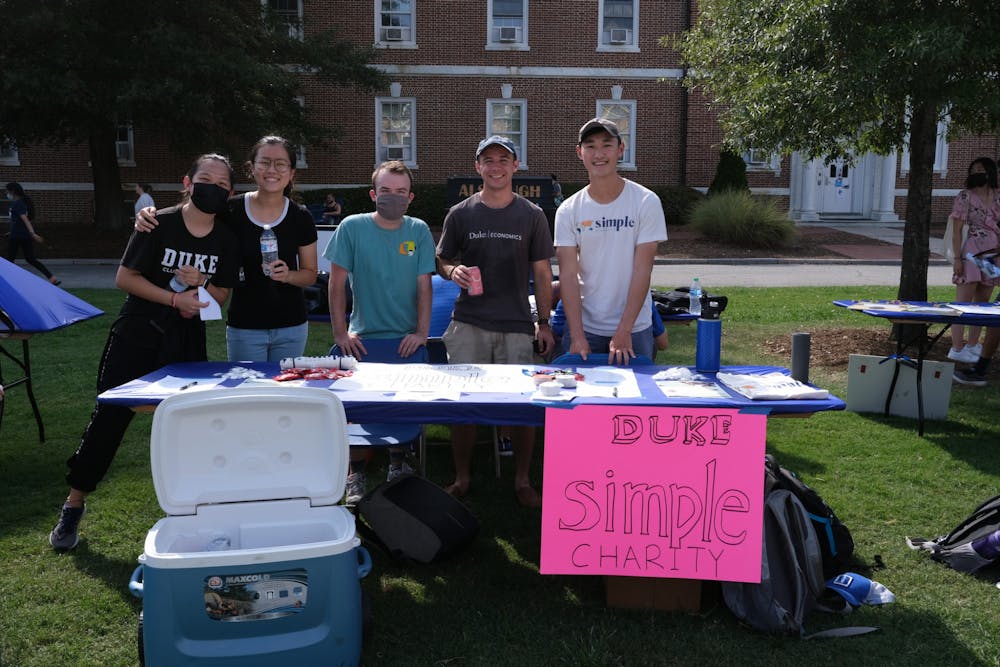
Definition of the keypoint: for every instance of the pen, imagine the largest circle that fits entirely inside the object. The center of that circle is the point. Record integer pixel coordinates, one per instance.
(188, 385)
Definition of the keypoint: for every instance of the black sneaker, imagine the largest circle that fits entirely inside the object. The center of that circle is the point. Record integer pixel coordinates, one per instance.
(969, 377)
(64, 536)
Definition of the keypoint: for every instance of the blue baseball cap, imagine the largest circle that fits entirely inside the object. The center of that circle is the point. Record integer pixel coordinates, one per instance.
(496, 140)
(859, 590)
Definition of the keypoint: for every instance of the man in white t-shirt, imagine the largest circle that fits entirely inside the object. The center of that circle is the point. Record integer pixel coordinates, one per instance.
(606, 238)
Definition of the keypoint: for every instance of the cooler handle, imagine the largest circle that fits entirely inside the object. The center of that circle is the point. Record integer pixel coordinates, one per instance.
(135, 583)
(364, 567)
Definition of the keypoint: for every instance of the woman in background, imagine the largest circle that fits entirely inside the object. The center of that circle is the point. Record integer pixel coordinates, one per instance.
(22, 231)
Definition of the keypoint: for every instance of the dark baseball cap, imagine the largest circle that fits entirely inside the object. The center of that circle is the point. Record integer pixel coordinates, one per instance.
(496, 140)
(595, 125)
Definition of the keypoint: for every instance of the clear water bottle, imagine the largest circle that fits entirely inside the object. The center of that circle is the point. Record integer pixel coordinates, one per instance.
(694, 298)
(268, 248)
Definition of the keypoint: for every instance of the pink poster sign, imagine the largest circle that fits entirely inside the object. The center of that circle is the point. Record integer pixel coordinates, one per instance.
(653, 492)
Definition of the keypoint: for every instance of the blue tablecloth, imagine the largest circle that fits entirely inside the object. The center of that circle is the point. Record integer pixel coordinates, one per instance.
(916, 316)
(473, 408)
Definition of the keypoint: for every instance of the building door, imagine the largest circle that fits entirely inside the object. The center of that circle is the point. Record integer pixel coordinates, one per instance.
(836, 194)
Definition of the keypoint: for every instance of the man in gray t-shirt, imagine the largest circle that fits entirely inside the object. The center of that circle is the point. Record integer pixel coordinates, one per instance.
(507, 238)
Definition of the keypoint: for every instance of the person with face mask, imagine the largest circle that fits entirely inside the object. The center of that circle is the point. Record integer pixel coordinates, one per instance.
(267, 318)
(158, 324)
(389, 258)
(977, 211)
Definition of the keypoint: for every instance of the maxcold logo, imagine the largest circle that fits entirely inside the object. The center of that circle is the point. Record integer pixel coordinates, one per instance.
(613, 224)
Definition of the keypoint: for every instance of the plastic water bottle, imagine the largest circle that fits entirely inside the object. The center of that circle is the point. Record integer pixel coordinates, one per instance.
(268, 248)
(694, 298)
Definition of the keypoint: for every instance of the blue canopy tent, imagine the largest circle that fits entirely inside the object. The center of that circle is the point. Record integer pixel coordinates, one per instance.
(29, 306)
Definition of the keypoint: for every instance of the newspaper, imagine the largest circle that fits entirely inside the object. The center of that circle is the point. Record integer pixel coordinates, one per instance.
(770, 387)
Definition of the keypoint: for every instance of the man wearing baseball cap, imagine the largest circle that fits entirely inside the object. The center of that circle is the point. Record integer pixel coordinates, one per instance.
(606, 238)
(506, 237)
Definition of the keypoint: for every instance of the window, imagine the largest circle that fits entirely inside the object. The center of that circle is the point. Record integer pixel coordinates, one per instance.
(758, 160)
(396, 139)
(622, 113)
(508, 118)
(395, 22)
(288, 12)
(508, 21)
(8, 152)
(124, 145)
(940, 151)
(619, 25)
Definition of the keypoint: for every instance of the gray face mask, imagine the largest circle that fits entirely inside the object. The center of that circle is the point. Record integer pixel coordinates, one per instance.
(392, 207)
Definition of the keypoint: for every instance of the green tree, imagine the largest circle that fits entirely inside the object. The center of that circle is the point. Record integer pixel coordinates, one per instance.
(206, 75)
(834, 77)
(730, 174)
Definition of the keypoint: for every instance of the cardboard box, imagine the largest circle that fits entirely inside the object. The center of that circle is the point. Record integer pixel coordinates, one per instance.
(868, 386)
(662, 594)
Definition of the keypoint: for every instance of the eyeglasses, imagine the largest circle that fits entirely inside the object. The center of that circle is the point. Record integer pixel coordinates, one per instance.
(280, 166)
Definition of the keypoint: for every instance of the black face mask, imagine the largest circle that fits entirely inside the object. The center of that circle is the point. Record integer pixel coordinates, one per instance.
(210, 198)
(976, 181)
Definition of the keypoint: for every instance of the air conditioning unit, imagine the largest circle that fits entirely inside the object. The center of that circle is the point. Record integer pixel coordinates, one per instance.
(394, 153)
(620, 36)
(508, 33)
(393, 34)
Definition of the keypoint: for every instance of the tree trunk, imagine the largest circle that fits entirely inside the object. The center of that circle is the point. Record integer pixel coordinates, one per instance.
(916, 233)
(109, 214)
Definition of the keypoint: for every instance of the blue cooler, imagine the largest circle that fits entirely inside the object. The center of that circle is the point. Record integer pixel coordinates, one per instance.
(256, 563)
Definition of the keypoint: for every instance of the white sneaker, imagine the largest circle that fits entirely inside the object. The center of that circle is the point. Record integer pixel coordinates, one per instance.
(964, 355)
(355, 489)
(976, 349)
(397, 471)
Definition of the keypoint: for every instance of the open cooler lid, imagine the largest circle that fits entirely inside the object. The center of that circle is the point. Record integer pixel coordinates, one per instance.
(265, 442)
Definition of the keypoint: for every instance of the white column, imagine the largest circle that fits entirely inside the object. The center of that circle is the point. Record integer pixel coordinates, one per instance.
(885, 208)
(808, 212)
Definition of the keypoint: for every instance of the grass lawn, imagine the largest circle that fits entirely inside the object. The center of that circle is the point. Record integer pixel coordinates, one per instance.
(488, 605)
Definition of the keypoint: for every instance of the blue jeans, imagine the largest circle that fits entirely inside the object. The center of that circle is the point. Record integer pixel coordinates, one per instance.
(642, 342)
(266, 344)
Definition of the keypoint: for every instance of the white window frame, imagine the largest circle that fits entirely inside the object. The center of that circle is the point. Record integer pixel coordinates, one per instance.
(125, 149)
(295, 30)
(520, 140)
(758, 161)
(9, 155)
(382, 151)
(627, 162)
(384, 36)
(300, 150)
(940, 151)
(604, 34)
(494, 42)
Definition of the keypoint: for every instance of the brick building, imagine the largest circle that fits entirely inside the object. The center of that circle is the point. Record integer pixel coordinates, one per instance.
(533, 70)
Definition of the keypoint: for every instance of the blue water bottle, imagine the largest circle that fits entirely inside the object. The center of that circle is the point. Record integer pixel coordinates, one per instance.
(708, 348)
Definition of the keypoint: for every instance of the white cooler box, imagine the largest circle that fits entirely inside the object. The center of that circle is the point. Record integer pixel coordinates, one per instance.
(256, 563)
(868, 387)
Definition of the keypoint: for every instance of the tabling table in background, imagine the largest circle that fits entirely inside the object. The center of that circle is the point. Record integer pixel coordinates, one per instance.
(924, 315)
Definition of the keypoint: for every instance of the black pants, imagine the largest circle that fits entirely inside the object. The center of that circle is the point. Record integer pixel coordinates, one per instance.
(135, 347)
(29, 254)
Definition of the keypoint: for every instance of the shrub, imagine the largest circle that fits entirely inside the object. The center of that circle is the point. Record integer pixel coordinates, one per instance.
(677, 203)
(731, 174)
(737, 218)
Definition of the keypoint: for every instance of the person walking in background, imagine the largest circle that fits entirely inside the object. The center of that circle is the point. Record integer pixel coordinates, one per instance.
(389, 258)
(22, 231)
(157, 324)
(332, 210)
(143, 198)
(977, 208)
(505, 239)
(557, 195)
(267, 318)
(606, 239)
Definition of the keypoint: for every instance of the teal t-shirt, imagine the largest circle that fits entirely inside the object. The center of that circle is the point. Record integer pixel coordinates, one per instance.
(383, 266)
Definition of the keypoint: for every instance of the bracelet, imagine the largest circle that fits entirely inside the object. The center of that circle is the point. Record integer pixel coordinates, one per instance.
(452, 272)
(173, 300)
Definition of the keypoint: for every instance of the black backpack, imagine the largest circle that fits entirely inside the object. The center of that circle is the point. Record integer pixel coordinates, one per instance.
(955, 549)
(835, 541)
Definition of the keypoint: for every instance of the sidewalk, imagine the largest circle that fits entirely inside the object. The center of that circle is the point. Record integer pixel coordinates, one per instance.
(863, 264)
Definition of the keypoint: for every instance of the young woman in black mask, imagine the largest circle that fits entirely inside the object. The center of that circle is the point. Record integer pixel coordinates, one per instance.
(976, 209)
(158, 324)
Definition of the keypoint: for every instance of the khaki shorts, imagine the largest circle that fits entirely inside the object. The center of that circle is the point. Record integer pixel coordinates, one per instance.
(468, 344)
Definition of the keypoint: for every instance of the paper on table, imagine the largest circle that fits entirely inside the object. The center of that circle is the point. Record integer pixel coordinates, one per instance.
(421, 396)
(691, 389)
(976, 309)
(213, 311)
(170, 384)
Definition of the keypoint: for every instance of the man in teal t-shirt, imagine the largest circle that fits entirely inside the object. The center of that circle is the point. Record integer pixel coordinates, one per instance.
(389, 258)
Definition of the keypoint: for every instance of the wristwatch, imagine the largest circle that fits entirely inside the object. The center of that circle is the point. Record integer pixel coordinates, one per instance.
(543, 321)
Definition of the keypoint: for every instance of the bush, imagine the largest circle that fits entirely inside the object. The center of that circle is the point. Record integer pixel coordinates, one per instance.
(737, 218)
(731, 174)
(677, 203)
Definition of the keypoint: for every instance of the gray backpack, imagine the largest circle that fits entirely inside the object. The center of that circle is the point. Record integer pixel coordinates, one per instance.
(791, 582)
